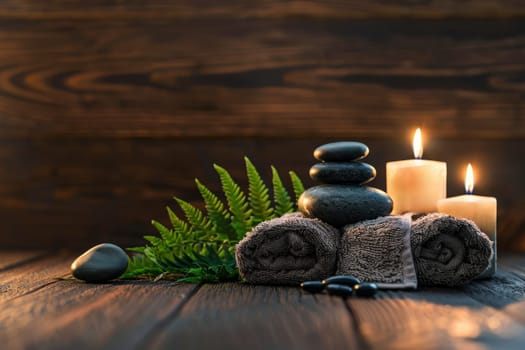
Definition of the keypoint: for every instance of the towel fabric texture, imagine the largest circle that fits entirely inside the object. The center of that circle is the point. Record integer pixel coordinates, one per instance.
(379, 251)
(288, 250)
(448, 251)
(392, 251)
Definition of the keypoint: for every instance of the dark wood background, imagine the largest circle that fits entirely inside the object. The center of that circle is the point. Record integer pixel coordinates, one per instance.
(110, 108)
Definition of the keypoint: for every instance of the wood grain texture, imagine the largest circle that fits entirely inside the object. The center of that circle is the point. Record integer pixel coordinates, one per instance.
(506, 291)
(32, 276)
(231, 316)
(146, 315)
(229, 77)
(434, 319)
(10, 259)
(75, 193)
(76, 315)
(262, 8)
(108, 108)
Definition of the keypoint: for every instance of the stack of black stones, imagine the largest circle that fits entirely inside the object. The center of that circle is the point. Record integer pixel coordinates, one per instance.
(342, 199)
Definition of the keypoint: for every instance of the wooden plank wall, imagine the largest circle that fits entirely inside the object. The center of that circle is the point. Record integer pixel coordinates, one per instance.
(109, 108)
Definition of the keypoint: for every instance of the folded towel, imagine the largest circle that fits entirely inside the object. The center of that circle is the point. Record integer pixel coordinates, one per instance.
(379, 251)
(288, 250)
(448, 251)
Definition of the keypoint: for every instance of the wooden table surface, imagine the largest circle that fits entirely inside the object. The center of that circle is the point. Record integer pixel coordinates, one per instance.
(40, 311)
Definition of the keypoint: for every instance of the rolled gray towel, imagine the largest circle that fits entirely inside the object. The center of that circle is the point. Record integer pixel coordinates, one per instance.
(448, 251)
(378, 251)
(288, 250)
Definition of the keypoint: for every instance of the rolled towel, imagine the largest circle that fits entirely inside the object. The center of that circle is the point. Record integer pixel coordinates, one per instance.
(379, 251)
(288, 250)
(448, 251)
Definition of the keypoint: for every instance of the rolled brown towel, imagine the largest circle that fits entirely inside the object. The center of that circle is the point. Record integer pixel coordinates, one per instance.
(448, 251)
(378, 251)
(405, 251)
(288, 250)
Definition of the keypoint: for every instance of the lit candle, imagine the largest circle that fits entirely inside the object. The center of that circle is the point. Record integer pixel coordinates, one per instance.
(480, 209)
(415, 185)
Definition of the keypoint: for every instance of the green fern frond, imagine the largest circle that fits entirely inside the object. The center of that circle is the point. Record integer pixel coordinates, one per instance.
(218, 214)
(283, 202)
(297, 184)
(180, 227)
(201, 247)
(237, 203)
(164, 232)
(200, 224)
(258, 195)
(174, 219)
(139, 266)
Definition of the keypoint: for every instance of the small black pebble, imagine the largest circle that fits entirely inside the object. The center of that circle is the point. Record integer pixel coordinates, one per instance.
(366, 289)
(313, 286)
(346, 280)
(339, 289)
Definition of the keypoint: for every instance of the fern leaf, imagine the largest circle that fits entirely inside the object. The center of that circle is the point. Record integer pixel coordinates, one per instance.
(297, 185)
(139, 250)
(283, 202)
(237, 203)
(140, 266)
(217, 213)
(200, 224)
(164, 232)
(201, 247)
(174, 219)
(257, 194)
(154, 240)
(179, 226)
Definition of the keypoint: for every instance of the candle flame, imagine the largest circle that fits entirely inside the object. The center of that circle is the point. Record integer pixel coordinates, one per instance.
(417, 144)
(469, 180)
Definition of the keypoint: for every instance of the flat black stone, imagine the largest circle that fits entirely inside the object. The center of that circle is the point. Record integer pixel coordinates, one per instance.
(101, 263)
(343, 151)
(340, 205)
(355, 173)
(313, 286)
(346, 280)
(366, 289)
(339, 289)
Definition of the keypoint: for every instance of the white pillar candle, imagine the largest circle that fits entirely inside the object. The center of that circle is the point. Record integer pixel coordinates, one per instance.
(416, 185)
(480, 209)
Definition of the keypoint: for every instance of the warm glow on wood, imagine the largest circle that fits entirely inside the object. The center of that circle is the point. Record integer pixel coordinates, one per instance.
(417, 144)
(469, 180)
